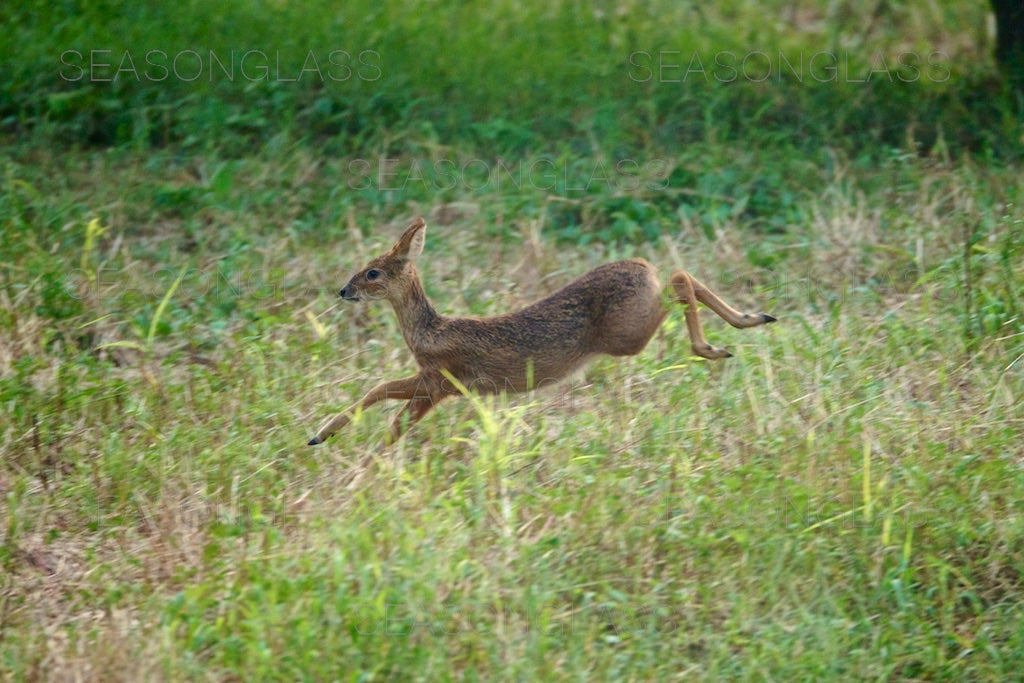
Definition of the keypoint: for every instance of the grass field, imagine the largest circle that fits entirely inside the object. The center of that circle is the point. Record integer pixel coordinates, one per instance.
(842, 500)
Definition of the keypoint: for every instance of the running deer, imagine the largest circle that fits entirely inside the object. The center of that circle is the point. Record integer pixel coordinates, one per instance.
(614, 309)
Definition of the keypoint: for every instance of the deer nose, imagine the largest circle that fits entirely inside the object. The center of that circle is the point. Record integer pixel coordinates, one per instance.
(344, 292)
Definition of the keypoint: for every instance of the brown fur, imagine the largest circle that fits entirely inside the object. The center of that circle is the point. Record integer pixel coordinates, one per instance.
(614, 309)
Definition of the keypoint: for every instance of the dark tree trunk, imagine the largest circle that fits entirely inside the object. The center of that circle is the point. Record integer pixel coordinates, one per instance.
(1010, 38)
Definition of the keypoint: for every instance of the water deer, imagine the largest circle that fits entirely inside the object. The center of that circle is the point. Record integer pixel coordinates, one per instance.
(614, 310)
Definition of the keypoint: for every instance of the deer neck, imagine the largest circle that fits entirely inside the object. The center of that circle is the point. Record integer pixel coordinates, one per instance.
(415, 314)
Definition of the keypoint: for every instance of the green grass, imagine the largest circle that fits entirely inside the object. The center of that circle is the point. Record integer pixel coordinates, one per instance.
(839, 501)
(505, 78)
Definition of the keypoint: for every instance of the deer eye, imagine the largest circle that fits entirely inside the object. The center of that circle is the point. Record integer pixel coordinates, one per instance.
(372, 274)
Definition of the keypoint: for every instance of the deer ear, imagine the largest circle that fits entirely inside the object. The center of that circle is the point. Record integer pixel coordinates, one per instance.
(410, 245)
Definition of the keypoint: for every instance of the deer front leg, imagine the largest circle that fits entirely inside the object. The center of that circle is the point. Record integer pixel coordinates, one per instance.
(413, 412)
(402, 389)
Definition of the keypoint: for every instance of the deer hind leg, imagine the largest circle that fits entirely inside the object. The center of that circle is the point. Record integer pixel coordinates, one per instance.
(689, 290)
(402, 389)
(683, 286)
(724, 310)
